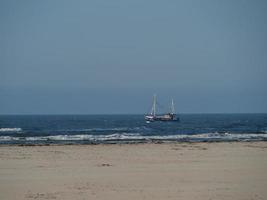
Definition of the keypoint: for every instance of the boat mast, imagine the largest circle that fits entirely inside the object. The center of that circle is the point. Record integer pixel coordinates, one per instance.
(153, 110)
(155, 100)
(172, 107)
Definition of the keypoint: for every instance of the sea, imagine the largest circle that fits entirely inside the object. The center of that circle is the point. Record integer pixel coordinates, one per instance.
(97, 129)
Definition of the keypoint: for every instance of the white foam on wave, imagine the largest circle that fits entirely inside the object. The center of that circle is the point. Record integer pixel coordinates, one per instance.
(134, 136)
(8, 138)
(10, 129)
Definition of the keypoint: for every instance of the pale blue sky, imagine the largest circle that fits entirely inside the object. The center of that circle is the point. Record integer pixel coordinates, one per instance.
(87, 57)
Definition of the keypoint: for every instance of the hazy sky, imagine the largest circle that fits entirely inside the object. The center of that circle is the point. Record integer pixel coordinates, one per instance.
(86, 57)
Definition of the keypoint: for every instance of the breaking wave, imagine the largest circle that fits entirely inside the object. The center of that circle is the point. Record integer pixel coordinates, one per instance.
(10, 129)
(128, 137)
(117, 129)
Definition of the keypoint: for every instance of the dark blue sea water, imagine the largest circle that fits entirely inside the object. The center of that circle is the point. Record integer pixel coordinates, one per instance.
(68, 129)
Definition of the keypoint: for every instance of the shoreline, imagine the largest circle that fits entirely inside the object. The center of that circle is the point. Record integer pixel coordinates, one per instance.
(133, 142)
(179, 170)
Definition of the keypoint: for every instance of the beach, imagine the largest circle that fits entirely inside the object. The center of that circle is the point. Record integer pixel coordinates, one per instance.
(224, 170)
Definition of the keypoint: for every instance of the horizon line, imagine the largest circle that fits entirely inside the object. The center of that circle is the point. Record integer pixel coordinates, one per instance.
(197, 113)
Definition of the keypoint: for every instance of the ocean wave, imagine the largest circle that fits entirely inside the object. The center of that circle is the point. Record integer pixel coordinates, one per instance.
(133, 136)
(109, 129)
(10, 129)
(93, 129)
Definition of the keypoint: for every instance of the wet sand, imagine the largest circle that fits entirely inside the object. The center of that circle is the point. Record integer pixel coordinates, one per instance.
(188, 171)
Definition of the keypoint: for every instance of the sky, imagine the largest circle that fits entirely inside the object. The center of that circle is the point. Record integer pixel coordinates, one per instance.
(110, 57)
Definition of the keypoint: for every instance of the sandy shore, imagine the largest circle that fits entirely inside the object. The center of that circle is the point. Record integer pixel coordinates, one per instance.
(135, 171)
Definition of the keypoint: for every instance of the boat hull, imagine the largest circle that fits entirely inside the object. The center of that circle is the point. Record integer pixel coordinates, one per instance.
(163, 118)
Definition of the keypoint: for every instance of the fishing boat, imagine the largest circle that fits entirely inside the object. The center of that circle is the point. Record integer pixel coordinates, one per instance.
(171, 116)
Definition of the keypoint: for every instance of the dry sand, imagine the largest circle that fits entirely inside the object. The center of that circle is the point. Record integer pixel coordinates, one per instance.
(135, 171)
